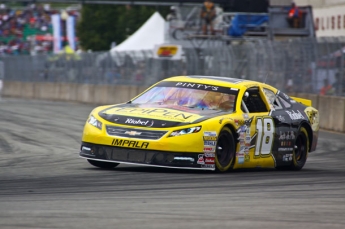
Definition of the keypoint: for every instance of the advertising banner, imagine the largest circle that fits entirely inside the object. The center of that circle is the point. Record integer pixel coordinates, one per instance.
(70, 28)
(56, 32)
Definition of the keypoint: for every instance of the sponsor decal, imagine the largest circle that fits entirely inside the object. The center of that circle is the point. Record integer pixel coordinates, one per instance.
(131, 144)
(210, 133)
(200, 160)
(209, 149)
(157, 112)
(209, 160)
(239, 122)
(281, 118)
(313, 116)
(206, 159)
(133, 133)
(287, 157)
(197, 86)
(288, 135)
(210, 143)
(167, 51)
(210, 155)
(295, 115)
(139, 122)
(245, 141)
(285, 149)
(285, 143)
(209, 138)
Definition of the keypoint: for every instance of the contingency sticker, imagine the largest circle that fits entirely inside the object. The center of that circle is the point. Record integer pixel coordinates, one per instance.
(209, 149)
(206, 160)
(210, 136)
(245, 141)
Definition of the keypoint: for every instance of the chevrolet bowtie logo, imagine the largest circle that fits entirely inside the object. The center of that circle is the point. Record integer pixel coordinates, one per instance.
(132, 133)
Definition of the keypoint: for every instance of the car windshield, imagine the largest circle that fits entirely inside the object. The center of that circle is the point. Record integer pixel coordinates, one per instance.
(188, 97)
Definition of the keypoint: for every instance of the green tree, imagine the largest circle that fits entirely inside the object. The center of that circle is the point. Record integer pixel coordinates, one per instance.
(102, 24)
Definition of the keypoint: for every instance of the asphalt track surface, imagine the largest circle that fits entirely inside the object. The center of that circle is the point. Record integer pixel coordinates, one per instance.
(44, 184)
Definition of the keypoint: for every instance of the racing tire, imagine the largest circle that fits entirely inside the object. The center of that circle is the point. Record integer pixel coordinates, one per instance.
(225, 150)
(102, 164)
(301, 149)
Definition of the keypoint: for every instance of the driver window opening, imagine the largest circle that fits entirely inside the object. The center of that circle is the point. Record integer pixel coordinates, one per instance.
(254, 101)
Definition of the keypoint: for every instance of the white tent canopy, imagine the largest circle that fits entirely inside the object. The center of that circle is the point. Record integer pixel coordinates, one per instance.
(151, 33)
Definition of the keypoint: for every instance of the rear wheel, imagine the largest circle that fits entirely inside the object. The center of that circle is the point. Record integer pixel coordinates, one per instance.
(102, 164)
(301, 148)
(225, 150)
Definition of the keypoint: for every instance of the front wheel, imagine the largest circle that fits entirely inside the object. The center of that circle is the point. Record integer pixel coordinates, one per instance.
(102, 164)
(225, 150)
(301, 149)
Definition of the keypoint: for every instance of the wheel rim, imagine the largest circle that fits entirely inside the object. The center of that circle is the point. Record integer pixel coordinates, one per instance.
(224, 154)
(300, 148)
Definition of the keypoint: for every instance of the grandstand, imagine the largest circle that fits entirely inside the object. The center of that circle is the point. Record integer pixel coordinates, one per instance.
(27, 29)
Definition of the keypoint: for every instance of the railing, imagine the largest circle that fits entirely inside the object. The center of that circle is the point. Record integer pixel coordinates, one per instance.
(298, 65)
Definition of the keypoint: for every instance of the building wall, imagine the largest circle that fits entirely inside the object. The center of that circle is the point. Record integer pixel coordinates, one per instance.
(329, 16)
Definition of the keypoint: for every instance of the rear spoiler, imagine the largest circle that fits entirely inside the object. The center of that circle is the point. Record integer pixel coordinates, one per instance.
(305, 102)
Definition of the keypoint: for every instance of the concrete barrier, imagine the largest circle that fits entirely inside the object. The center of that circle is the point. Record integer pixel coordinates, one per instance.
(337, 114)
(331, 108)
(12, 89)
(49, 91)
(85, 93)
(28, 90)
(325, 112)
(68, 92)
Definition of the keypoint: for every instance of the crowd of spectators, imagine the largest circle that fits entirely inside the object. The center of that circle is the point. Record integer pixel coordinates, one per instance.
(19, 27)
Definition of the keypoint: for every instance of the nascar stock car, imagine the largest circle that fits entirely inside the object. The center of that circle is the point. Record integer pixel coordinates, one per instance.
(203, 122)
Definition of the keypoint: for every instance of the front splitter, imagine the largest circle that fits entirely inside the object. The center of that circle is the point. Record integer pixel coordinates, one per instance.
(153, 158)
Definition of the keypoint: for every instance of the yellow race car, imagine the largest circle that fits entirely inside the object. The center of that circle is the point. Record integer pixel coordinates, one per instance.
(203, 122)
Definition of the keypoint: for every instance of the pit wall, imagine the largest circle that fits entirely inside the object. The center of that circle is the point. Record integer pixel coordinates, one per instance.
(331, 108)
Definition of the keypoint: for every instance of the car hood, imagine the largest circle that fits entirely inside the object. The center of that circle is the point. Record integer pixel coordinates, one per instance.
(158, 116)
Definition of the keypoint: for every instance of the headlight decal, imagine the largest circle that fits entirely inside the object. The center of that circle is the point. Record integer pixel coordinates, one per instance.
(94, 122)
(189, 130)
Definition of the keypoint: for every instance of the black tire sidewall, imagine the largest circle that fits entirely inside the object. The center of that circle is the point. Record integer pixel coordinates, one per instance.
(232, 150)
(298, 164)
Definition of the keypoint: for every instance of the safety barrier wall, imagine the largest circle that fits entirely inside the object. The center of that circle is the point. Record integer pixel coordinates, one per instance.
(331, 108)
(85, 93)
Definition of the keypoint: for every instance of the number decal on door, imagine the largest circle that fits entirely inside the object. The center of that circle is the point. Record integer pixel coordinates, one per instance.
(265, 134)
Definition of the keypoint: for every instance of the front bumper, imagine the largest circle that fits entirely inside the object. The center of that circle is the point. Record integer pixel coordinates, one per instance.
(202, 161)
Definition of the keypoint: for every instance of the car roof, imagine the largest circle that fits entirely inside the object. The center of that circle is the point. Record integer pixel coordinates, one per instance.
(215, 80)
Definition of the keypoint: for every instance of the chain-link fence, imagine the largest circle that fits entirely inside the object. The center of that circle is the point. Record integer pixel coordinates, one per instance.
(297, 65)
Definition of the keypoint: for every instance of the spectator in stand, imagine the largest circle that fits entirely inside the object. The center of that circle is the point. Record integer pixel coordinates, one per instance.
(208, 14)
(294, 16)
(33, 19)
(327, 89)
(172, 16)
